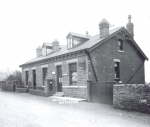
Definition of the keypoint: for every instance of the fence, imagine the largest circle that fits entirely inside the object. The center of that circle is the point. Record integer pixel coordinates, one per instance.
(11, 85)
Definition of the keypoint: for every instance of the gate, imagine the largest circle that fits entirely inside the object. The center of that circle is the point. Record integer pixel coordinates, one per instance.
(100, 92)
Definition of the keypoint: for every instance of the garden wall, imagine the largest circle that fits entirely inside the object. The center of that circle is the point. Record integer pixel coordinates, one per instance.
(132, 97)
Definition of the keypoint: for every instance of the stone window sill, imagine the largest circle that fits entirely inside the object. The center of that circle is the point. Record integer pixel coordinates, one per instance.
(120, 50)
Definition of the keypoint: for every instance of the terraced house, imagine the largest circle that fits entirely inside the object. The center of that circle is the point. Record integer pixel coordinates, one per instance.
(110, 56)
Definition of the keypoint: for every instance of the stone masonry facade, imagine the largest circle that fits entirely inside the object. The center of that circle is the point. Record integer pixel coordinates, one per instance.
(78, 90)
(104, 56)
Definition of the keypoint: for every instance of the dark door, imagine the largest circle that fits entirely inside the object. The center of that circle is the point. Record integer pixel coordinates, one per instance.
(44, 75)
(59, 78)
(101, 92)
(34, 78)
(27, 77)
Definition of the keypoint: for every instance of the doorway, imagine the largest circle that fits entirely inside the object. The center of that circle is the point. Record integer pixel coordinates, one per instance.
(44, 75)
(27, 77)
(34, 78)
(59, 78)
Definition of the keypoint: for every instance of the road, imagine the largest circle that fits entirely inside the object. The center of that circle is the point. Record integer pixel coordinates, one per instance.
(25, 110)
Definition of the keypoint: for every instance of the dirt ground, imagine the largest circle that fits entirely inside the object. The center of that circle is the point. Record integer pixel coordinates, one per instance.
(25, 110)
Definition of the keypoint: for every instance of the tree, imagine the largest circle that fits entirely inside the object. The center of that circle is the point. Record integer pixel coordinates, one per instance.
(15, 76)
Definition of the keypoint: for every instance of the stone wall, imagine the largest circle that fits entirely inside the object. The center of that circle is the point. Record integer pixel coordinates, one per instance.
(131, 61)
(132, 97)
(80, 92)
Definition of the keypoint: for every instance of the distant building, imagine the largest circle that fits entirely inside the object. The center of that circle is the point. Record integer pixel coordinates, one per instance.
(110, 56)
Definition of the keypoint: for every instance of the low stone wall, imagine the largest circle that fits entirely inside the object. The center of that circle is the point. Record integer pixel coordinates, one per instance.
(37, 92)
(132, 97)
(40, 92)
(79, 92)
(21, 90)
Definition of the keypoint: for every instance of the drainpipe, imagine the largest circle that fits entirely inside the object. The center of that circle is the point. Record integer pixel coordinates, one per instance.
(92, 65)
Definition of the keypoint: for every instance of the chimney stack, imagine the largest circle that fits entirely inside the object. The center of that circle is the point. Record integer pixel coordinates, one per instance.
(55, 45)
(104, 28)
(130, 26)
(38, 52)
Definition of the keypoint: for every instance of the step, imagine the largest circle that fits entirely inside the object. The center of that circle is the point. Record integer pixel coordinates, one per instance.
(59, 94)
(66, 100)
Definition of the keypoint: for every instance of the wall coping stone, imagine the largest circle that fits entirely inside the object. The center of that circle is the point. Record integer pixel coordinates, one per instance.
(74, 86)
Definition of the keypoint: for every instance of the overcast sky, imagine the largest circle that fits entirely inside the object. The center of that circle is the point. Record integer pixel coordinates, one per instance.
(26, 24)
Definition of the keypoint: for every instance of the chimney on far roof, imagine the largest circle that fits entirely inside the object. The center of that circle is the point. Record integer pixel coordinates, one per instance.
(104, 28)
(38, 51)
(87, 33)
(55, 45)
(130, 26)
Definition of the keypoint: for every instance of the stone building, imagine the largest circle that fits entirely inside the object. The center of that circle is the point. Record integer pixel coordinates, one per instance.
(110, 56)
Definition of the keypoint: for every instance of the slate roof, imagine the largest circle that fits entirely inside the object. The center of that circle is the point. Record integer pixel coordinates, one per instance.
(93, 40)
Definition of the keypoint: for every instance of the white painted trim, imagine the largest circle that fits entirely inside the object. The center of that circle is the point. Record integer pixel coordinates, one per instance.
(27, 69)
(74, 86)
(46, 65)
(33, 68)
(120, 81)
(58, 63)
(53, 72)
(72, 61)
(65, 74)
(120, 50)
(116, 60)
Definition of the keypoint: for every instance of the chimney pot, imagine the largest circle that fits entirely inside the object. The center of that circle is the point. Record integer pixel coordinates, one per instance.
(38, 52)
(104, 28)
(130, 26)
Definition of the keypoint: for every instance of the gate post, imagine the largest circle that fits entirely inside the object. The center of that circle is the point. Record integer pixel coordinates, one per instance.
(89, 90)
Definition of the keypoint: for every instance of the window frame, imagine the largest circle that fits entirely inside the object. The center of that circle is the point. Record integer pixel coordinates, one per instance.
(71, 82)
(44, 75)
(117, 70)
(121, 45)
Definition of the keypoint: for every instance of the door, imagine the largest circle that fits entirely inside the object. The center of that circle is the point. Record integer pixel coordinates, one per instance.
(59, 78)
(34, 78)
(27, 77)
(44, 74)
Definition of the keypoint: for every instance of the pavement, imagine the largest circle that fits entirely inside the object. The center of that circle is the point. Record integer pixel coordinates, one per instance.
(26, 110)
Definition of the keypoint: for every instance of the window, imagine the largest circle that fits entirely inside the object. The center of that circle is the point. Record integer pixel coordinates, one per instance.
(70, 42)
(73, 73)
(27, 77)
(44, 71)
(75, 42)
(117, 70)
(120, 43)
